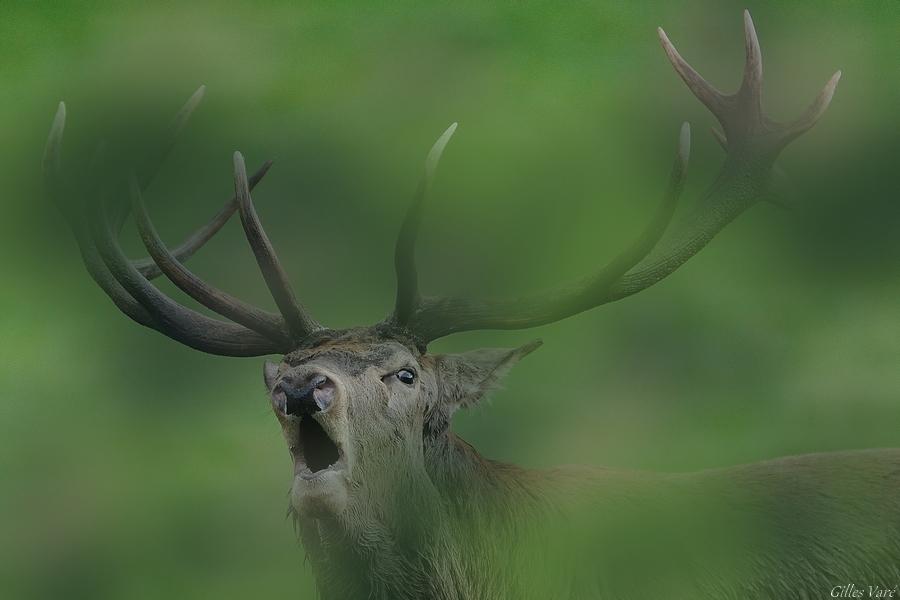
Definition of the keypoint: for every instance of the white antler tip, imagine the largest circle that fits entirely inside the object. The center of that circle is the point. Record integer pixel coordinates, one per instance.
(189, 107)
(197, 96)
(54, 140)
(829, 89)
(59, 119)
(752, 84)
(434, 155)
(750, 31)
(831, 86)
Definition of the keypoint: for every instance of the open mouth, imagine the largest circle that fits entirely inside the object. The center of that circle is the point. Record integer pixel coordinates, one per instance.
(315, 452)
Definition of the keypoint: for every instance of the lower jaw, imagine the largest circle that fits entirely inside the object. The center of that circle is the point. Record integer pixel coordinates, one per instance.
(321, 495)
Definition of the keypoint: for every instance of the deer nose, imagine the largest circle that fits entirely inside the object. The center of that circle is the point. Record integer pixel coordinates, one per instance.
(308, 394)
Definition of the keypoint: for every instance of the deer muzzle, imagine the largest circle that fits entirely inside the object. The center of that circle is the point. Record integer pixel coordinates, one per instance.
(308, 394)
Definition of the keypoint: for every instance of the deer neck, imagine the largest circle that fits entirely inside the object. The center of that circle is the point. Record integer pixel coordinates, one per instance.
(381, 545)
(403, 539)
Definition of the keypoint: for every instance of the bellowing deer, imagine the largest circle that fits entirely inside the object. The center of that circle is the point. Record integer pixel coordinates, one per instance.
(389, 503)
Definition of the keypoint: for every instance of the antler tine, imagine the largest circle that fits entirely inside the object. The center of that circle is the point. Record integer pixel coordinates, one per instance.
(751, 86)
(182, 116)
(263, 322)
(199, 237)
(405, 249)
(712, 98)
(52, 159)
(150, 166)
(660, 221)
(814, 112)
(299, 322)
(51, 163)
(437, 317)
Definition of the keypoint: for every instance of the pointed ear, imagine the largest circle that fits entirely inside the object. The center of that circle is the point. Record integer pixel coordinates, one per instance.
(270, 370)
(464, 379)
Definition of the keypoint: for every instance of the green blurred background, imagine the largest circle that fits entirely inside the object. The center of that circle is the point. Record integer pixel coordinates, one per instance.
(133, 467)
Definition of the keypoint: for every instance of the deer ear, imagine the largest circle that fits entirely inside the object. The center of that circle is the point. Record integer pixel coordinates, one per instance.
(270, 370)
(466, 378)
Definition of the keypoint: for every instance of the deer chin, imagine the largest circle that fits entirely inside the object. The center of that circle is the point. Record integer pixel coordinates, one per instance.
(321, 468)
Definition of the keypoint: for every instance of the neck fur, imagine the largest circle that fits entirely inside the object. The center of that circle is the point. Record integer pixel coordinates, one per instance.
(419, 530)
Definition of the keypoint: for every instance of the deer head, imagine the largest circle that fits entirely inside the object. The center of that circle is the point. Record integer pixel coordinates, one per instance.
(360, 410)
(363, 408)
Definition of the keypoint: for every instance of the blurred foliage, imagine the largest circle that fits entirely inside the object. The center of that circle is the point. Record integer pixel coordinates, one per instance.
(132, 467)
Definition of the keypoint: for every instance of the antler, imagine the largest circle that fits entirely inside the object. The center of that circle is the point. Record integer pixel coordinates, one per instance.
(752, 143)
(254, 332)
(751, 140)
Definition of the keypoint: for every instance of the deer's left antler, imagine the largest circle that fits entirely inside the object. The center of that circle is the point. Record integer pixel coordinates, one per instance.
(752, 142)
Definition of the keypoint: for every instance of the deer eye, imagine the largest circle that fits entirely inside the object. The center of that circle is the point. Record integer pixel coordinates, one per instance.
(406, 376)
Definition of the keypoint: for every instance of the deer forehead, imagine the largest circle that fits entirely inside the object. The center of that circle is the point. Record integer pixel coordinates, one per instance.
(353, 356)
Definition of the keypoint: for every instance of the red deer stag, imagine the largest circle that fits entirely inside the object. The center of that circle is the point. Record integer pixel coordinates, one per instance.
(390, 504)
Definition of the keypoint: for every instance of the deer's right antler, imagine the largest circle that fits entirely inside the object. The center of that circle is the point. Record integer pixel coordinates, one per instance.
(752, 142)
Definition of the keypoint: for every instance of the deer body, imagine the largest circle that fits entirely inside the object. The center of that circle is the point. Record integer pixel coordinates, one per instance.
(390, 504)
(806, 525)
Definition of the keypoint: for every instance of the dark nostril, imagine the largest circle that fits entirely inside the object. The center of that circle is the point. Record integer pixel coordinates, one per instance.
(307, 395)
